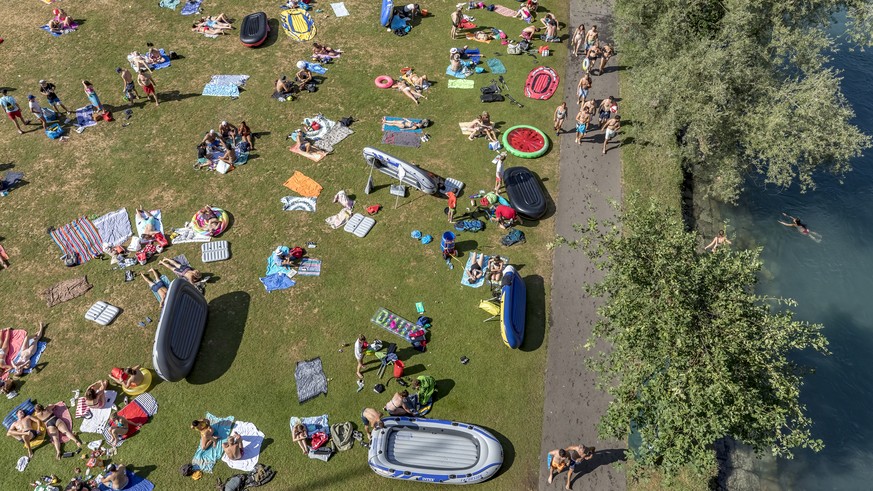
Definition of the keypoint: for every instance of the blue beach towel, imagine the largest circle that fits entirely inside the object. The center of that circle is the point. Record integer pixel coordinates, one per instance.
(238, 80)
(169, 4)
(191, 7)
(313, 424)
(163, 64)
(134, 483)
(12, 417)
(398, 22)
(459, 74)
(274, 263)
(473, 54)
(85, 116)
(48, 30)
(391, 127)
(205, 459)
(496, 66)
(34, 360)
(277, 281)
(316, 68)
(221, 90)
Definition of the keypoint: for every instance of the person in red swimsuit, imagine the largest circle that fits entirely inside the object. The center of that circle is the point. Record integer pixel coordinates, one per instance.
(506, 216)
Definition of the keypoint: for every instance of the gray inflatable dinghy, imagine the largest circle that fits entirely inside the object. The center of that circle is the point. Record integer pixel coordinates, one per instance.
(179, 332)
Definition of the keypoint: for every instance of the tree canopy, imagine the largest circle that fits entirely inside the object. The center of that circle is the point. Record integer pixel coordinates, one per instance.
(696, 354)
(733, 86)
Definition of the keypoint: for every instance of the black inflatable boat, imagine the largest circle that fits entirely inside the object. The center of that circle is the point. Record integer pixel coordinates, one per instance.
(525, 192)
(254, 29)
(179, 332)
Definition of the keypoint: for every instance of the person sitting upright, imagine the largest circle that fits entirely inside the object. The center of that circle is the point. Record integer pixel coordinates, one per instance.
(483, 126)
(303, 76)
(399, 404)
(95, 394)
(115, 477)
(213, 140)
(233, 447)
(127, 378)
(495, 268)
(157, 285)
(154, 54)
(210, 217)
(299, 435)
(207, 434)
(118, 427)
(227, 130)
(66, 22)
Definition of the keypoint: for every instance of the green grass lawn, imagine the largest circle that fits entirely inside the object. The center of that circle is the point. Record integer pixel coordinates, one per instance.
(253, 338)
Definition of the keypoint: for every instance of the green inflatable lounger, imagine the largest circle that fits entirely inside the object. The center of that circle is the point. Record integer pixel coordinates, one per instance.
(179, 332)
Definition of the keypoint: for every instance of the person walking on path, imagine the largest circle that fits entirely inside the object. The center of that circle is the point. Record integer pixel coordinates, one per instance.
(48, 90)
(584, 87)
(577, 454)
(583, 119)
(607, 109)
(591, 37)
(606, 52)
(13, 112)
(560, 116)
(612, 127)
(578, 39)
(36, 109)
(147, 83)
(130, 94)
(92, 95)
(559, 461)
(457, 16)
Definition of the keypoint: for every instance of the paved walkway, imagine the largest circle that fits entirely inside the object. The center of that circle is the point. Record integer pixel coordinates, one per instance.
(572, 403)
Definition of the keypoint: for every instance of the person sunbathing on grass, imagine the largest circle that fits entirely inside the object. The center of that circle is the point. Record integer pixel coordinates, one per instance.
(154, 54)
(203, 28)
(54, 26)
(475, 271)
(306, 145)
(298, 434)
(150, 224)
(219, 21)
(418, 81)
(207, 434)
(483, 126)
(405, 124)
(118, 427)
(320, 50)
(128, 378)
(5, 339)
(95, 394)
(55, 427)
(408, 91)
(22, 430)
(233, 447)
(157, 285)
(182, 270)
(28, 349)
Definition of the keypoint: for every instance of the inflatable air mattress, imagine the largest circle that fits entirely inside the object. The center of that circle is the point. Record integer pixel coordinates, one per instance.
(413, 175)
(434, 451)
(180, 329)
(254, 29)
(513, 307)
(541, 83)
(525, 192)
(387, 12)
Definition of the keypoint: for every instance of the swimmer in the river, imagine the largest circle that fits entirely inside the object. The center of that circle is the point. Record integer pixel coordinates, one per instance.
(800, 226)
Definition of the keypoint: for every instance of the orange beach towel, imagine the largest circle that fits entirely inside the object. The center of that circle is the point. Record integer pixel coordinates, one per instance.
(303, 185)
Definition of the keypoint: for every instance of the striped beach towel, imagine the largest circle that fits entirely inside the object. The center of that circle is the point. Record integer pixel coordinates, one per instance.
(79, 238)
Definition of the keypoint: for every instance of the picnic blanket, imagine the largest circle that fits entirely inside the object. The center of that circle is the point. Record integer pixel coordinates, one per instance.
(154, 219)
(188, 234)
(505, 11)
(277, 281)
(114, 227)
(335, 135)
(309, 267)
(191, 7)
(311, 380)
(65, 291)
(461, 84)
(465, 278)
(85, 116)
(205, 460)
(313, 424)
(134, 483)
(392, 127)
(99, 417)
(169, 4)
(496, 66)
(220, 90)
(252, 440)
(303, 185)
(401, 139)
(48, 29)
(339, 9)
(292, 203)
(78, 238)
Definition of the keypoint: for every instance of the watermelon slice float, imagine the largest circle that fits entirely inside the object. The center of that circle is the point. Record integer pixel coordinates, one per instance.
(525, 142)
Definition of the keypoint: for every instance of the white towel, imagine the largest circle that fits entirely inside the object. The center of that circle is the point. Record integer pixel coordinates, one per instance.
(339, 9)
(99, 417)
(252, 441)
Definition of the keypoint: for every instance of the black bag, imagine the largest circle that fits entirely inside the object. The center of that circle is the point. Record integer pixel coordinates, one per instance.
(491, 89)
(379, 388)
(310, 87)
(174, 55)
(347, 121)
(201, 151)
(491, 98)
(186, 470)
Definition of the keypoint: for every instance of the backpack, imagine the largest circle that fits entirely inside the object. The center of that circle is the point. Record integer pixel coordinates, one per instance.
(513, 49)
(513, 237)
(491, 98)
(235, 483)
(186, 470)
(469, 226)
(524, 45)
(491, 89)
(54, 131)
(260, 476)
(341, 436)
(297, 253)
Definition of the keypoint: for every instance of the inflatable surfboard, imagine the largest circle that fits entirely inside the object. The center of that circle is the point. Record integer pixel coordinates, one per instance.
(541, 83)
(387, 12)
(298, 24)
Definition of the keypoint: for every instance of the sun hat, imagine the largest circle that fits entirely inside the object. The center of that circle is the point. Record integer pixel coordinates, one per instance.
(453, 50)
(301, 64)
(41, 82)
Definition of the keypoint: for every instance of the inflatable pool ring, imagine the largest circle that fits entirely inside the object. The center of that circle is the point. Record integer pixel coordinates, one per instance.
(199, 225)
(384, 82)
(525, 141)
(141, 388)
(585, 64)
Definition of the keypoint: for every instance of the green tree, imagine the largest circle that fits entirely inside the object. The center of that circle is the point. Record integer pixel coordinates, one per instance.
(695, 354)
(731, 87)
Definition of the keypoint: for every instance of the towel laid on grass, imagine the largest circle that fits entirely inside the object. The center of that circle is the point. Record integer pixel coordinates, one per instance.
(402, 139)
(134, 483)
(252, 439)
(85, 116)
(277, 281)
(48, 29)
(472, 54)
(274, 263)
(459, 74)
(114, 227)
(34, 360)
(238, 80)
(99, 417)
(205, 460)
(339, 9)
(335, 135)
(191, 7)
(221, 90)
(79, 238)
(154, 219)
(313, 424)
(11, 417)
(496, 66)
(303, 185)
(291, 203)
(309, 267)
(395, 127)
(65, 291)
(461, 84)
(169, 4)
(311, 380)
(137, 412)
(188, 234)
(505, 11)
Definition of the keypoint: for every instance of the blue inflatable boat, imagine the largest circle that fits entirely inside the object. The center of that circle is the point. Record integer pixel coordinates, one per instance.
(387, 12)
(513, 307)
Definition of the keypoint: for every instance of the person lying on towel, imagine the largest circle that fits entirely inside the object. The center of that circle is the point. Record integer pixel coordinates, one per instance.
(150, 227)
(154, 54)
(420, 82)
(475, 271)
(405, 124)
(182, 270)
(127, 378)
(157, 286)
(118, 428)
(322, 51)
(28, 349)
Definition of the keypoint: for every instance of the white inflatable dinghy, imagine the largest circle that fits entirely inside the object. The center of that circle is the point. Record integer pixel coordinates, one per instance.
(435, 451)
